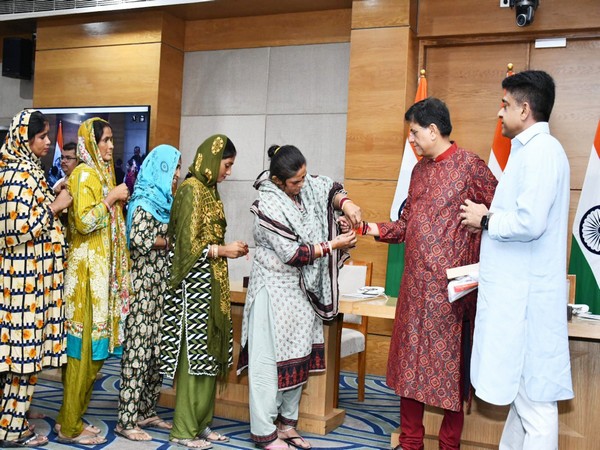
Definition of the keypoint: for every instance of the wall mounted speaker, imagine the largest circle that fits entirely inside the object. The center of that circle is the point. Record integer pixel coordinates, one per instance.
(17, 58)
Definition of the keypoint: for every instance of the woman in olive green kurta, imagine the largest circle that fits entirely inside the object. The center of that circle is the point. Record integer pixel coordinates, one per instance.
(197, 338)
(97, 282)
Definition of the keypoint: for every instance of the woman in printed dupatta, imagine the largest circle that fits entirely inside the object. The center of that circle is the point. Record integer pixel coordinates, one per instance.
(147, 222)
(197, 331)
(293, 288)
(97, 281)
(32, 257)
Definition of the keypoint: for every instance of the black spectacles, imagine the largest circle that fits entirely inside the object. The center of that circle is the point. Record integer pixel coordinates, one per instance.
(69, 158)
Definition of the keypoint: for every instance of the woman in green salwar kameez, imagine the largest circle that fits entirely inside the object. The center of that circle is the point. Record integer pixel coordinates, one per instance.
(97, 281)
(197, 330)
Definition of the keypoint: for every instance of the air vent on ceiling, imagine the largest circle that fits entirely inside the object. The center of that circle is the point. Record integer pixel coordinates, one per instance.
(31, 9)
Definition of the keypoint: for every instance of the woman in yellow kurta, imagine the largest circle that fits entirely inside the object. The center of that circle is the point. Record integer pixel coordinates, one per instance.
(97, 282)
(32, 254)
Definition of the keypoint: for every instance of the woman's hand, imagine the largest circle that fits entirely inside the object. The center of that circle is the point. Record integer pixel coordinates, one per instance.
(344, 224)
(344, 241)
(352, 212)
(63, 201)
(118, 193)
(234, 249)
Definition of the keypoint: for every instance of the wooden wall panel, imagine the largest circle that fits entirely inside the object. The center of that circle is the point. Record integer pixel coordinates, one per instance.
(468, 78)
(376, 103)
(576, 70)
(107, 29)
(475, 17)
(169, 97)
(383, 13)
(118, 75)
(266, 31)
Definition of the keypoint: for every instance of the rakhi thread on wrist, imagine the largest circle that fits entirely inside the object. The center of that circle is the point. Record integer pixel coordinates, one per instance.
(363, 228)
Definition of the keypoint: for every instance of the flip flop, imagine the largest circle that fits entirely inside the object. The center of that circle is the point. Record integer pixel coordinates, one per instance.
(201, 444)
(155, 422)
(81, 439)
(291, 441)
(32, 440)
(92, 429)
(272, 446)
(131, 433)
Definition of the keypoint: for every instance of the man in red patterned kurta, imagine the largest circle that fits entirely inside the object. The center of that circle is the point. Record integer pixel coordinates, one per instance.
(430, 345)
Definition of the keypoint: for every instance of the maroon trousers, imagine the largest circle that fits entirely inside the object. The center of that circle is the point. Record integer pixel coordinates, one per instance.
(413, 431)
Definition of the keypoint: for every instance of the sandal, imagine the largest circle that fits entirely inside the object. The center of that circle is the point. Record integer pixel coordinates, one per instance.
(273, 445)
(92, 429)
(217, 437)
(295, 441)
(202, 444)
(133, 434)
(155, 422)
(32, 440)
(84, 438)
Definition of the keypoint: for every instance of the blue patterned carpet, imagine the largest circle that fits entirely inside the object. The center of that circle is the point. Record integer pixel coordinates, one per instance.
(367, 425)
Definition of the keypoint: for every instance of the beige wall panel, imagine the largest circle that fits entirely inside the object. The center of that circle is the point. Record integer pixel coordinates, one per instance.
(376, 103)
(168, 110)
(448, 18)
(574, 119)
(265, 31)
(374, 198)
(109, 29)
(468, 78)
(382, 13)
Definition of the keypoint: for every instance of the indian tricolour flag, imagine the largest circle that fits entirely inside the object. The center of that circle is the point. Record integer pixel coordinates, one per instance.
(585, 246)
(395, 261)
(500, 145)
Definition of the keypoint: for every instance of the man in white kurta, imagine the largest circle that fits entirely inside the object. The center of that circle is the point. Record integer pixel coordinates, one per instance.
(520, 347)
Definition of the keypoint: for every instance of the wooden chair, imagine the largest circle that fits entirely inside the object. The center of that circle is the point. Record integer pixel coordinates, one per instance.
(352, 336)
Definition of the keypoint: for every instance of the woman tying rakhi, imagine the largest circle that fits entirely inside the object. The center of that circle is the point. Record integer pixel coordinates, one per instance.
(293, 288)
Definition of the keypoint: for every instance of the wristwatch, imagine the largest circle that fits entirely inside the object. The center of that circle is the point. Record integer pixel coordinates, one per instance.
(485, 220)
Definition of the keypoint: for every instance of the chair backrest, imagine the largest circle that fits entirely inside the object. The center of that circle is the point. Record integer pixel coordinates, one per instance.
(353, 276)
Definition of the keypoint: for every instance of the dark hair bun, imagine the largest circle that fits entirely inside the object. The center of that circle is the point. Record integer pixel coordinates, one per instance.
(272, 150)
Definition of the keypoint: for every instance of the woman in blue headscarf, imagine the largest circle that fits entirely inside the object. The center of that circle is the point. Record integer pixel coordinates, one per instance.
(147, 222)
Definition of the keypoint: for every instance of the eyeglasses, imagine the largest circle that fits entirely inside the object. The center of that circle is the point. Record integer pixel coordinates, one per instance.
(69, 158)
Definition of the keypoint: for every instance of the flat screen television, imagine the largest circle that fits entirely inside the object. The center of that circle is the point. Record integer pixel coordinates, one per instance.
(130, 125)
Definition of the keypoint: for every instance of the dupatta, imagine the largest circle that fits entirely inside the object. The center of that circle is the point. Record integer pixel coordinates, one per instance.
(153, 188)
(198, 196)
(119, 282)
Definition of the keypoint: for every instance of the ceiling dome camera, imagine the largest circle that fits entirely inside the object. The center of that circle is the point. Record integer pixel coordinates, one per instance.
(524, 10)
